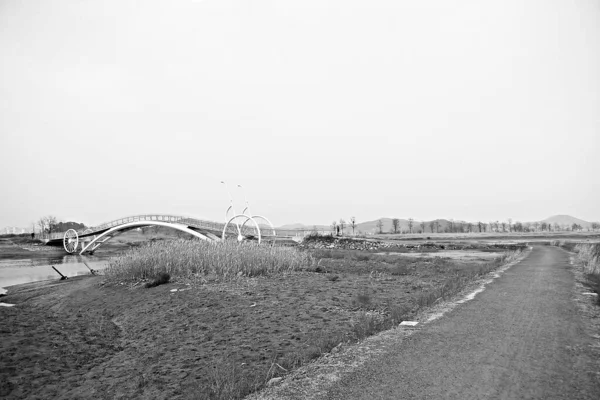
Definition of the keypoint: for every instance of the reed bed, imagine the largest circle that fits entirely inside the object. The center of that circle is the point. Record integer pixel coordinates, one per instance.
(202, 260)
(589, 256)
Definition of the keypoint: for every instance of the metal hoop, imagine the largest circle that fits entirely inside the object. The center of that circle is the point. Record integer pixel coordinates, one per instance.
(70, 241)
(240, 235)
(256, 218)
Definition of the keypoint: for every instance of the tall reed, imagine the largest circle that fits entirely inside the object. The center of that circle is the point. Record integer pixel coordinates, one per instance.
(589, 256)
(194, 259)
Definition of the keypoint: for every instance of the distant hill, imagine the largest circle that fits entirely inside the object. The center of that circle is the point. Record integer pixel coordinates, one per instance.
(300, 226)
(441, 225)
(567, 220)
(371, 226)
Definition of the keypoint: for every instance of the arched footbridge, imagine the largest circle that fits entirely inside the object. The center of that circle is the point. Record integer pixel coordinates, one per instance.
(239, 227)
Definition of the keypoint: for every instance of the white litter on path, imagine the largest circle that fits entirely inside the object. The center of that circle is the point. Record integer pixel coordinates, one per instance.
(409, 323)
(173, 290)
(6, 305)
(591, 294)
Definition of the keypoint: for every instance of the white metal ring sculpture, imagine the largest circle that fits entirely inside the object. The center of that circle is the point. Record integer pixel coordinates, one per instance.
(240, 228)
(257, 217)
(70, 241)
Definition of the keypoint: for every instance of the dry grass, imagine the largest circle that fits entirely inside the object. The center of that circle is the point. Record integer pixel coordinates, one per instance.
(204, 261)
(589, 256)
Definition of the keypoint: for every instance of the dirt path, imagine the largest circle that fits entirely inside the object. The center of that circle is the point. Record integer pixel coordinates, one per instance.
(522, 338)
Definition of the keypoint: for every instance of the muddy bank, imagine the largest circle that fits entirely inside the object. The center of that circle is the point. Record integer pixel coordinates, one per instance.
(83, 338)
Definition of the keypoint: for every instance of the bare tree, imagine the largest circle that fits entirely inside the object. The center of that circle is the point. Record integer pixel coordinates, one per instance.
(380, 225)
(410, 224)
(556, 226)
(518, 226)
(595, 225)
(395, 224)
(423, 226)
(536, 225)
(353, 224)
(509, 224)
(333, 227)
(342, 225)
(503, 224)
(47, 224)
(470, 227)
(42, 225)
(437, 226)
(431, 225)
(479, 225)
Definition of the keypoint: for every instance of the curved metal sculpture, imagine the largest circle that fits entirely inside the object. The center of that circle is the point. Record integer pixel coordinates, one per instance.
(257, 217)
(236, 225)
(114, 231)
(242, 233)
(70, 241)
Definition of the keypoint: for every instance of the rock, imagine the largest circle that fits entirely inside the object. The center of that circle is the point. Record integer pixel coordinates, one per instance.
(274, 381)
(336, 349)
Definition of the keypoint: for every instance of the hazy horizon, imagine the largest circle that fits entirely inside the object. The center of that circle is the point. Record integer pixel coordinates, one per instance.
(321, 109)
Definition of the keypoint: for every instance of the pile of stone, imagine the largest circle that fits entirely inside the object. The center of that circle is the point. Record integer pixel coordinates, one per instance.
(332, 242)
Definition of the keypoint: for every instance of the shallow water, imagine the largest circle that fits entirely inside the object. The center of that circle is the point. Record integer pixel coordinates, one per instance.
(15, 272)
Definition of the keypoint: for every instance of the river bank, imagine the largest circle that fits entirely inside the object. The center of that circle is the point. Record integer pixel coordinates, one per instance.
(85, 338)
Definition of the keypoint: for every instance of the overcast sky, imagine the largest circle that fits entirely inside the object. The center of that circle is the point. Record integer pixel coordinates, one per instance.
(472, 110)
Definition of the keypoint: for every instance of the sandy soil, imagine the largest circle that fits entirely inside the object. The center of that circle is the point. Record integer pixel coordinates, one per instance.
(82, 338)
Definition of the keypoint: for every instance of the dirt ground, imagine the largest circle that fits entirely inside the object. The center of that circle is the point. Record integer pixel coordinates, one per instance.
(83, 338)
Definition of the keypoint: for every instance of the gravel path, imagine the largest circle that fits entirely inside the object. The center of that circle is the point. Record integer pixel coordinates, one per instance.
(522, 338)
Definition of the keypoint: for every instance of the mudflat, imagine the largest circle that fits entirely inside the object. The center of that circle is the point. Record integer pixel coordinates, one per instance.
(85, 338)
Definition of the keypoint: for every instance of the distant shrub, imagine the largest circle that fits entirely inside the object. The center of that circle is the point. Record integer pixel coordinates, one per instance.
(316, 237)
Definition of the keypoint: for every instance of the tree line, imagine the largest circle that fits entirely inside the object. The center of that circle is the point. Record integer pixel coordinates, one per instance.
(451, 226)
(49, 224)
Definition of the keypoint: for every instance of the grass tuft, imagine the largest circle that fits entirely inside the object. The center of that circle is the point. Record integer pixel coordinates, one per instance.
(161, 279)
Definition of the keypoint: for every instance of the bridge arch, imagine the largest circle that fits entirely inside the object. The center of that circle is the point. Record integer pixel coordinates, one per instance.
(114, 231)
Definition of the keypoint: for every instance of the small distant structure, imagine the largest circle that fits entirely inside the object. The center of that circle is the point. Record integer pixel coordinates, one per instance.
(12, 230)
